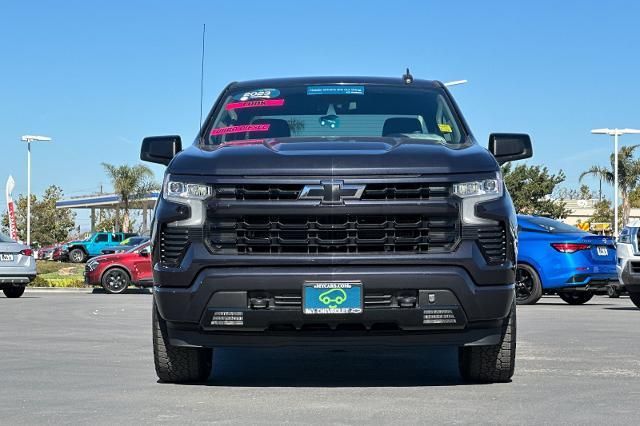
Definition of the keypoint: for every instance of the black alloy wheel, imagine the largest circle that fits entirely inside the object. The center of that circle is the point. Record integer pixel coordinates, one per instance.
(115, 281)
(528, 285)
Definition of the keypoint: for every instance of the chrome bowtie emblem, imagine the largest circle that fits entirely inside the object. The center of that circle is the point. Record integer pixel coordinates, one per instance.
(331, 192)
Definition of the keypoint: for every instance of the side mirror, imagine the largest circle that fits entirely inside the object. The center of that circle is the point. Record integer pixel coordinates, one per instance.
(143, 253)
(510, 146)
(160, 149)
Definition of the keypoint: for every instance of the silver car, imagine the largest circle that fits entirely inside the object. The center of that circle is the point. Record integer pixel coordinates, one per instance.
(17, 266)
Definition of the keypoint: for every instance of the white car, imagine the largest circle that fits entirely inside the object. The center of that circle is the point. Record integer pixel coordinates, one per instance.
(628, 260)
(17, 267)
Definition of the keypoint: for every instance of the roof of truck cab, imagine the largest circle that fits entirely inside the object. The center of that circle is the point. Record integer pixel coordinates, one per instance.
(295, 81)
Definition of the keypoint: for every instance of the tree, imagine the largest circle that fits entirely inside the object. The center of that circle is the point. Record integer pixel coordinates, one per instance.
(108, 222)
(634, 198)
(628, 175)
(130, 182)
(602, 212)
(585, 193)
(531, 188)
(49, 225)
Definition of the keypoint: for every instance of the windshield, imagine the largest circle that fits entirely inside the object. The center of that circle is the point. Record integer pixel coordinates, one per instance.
(335, 111)
(142, 247)
(553, 226)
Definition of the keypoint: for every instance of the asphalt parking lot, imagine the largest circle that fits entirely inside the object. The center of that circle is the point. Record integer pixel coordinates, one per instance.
(87, 358)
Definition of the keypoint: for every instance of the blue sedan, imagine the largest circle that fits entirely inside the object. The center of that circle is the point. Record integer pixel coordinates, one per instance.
(554, 257)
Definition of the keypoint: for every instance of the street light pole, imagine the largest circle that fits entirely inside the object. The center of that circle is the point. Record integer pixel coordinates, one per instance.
(28, 139)
(615, 133)
(28, 193)
(615, 184)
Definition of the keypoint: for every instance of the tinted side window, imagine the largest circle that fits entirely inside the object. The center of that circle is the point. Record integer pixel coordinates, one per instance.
(101, 238)
(116, 238)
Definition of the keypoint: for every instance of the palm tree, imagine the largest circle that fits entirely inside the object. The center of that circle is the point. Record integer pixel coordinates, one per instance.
(130, 182)
(628, 175)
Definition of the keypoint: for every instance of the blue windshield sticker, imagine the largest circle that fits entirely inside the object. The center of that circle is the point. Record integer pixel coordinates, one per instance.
(335, 90)
(257, 94)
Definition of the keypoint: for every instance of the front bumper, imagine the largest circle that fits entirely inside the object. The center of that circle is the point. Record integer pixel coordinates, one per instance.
(449, 308)
(92, 277)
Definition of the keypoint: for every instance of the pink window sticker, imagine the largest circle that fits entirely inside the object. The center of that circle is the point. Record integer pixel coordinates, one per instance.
(255, 104)
(241, 129)
(244, 142)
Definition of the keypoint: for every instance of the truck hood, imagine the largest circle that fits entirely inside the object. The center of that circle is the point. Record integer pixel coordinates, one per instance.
(333, 156)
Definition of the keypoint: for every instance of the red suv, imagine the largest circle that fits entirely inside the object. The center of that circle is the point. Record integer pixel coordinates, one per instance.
(115, 272)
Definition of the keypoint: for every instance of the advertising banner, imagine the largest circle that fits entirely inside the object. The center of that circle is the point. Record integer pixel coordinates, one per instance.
(13, 230)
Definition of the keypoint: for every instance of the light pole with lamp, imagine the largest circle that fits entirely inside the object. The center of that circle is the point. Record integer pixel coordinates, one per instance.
(615, 133)
(28, 139)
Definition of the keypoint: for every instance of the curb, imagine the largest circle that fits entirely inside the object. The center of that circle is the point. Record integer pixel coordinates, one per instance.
(60, 289)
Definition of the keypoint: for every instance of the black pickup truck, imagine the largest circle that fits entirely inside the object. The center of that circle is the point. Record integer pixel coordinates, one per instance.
(349, 211)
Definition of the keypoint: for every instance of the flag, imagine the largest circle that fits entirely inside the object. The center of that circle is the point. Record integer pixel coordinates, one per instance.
(13, 230)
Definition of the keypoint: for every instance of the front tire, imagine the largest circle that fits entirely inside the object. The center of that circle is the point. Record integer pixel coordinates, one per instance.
(13, 292)
(528, 285)
(495, 363)
(176, 364)
(635, 298)
(77, 256)
(575, 297)
(115, 281)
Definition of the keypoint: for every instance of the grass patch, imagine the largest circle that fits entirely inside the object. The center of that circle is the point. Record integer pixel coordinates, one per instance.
(58, 274)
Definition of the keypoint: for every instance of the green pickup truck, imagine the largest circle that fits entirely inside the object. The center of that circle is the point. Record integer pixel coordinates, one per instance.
(80, 250)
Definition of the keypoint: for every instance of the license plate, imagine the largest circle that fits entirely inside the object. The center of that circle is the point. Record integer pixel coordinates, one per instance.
(331, 298)
(6, 257)
(602, 251)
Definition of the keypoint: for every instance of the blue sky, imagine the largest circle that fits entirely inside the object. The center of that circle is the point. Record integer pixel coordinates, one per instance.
(97, 77)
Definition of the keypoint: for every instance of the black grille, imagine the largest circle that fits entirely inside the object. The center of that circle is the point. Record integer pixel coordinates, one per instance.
(173, 244)
(404, 191)
(332, 234)
(493, 242)
(258, 192)
(289, 300)
(373, 191)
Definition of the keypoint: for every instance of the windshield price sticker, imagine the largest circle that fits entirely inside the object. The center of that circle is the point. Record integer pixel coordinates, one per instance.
(241, 129)
(255, 104)
(257, 94)
(335, 90)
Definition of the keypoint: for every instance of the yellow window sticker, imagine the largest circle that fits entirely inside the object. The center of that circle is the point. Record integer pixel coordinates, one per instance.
(445, 128)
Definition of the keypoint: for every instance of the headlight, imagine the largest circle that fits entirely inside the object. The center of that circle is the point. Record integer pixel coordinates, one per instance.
(475, 192)
(92, 265)
(189, 193)
(477, 188)
(182, 191)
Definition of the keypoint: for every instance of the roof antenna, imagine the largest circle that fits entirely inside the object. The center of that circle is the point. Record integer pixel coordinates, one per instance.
(407, 78)
(204, 28)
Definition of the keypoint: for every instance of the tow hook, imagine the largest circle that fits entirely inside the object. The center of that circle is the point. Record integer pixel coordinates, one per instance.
(258, 303)
(407, 301)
